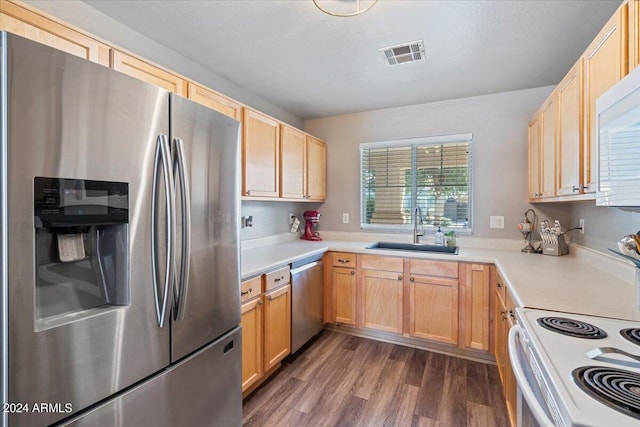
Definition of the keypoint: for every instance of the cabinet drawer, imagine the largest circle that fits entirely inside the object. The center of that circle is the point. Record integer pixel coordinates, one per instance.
(341, 259)
(433, 268)
(251, 288)
(374, 262)
(276, 278)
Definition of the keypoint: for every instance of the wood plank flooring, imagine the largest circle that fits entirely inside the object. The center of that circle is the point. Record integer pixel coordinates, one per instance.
(343, 380)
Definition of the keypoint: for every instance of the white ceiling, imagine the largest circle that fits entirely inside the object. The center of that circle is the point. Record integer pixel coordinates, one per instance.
(315, 65)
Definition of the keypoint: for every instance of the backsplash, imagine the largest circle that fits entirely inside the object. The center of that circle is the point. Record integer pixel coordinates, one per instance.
(271, 218)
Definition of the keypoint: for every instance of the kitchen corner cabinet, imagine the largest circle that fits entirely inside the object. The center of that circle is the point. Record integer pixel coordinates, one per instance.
(381, 293)
(214, 101)
(251, 321)
(316, 169)
(260, 155)
(293, 160)
(26, 23)
(433, 301)
(605, 63)
(343, 281)
(147, 72)
(570, 131)
(475, 297)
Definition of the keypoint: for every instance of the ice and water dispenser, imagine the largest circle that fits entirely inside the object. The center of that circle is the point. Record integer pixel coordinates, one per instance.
(82, 247)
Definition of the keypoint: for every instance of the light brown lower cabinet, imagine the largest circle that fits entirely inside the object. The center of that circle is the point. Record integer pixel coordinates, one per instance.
(434, 308)
(382, 300)
(344, 295)
(475, 302)
(504, 319)
(252, 366)
(277, 326)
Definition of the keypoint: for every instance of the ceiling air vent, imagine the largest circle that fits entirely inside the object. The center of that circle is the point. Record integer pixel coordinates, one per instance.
(403, 53)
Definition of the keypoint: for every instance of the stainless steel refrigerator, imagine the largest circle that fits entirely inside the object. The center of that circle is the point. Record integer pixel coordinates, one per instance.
(119, 249)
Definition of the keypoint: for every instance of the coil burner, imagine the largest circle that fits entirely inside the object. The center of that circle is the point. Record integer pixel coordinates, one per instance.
(631, 334)
(616, 388)
(572, 328)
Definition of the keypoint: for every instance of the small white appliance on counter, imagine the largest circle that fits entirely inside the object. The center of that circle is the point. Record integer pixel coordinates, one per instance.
(618, 143)
(575, 370)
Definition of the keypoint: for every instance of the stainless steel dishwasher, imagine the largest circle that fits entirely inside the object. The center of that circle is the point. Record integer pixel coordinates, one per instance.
(306, 300)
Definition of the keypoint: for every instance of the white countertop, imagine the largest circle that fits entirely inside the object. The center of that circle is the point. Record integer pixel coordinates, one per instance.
(567, 284)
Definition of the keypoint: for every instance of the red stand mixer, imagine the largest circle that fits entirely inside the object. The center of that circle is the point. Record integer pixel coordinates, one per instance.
(311, 218)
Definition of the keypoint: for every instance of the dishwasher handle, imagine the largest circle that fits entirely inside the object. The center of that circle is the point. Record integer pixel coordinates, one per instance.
(305, 267)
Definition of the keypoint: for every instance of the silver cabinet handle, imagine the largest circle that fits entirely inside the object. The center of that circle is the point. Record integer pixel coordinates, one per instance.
(574, 188)
(343, 261)
(246, 292)
(162, 160)
(181, 287)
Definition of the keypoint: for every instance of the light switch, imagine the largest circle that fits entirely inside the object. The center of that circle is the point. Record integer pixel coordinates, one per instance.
(496, 222)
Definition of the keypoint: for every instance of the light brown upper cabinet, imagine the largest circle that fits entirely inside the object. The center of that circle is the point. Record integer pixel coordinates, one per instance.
(260, 155)
(214, 100)
(570, 132)
(605, 62)
(542, 152)
(316, 169)
(534, 158)
(147, 72)
(34, 26)
(292, 163)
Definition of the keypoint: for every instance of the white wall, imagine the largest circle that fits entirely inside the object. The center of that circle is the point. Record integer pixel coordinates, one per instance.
(271, 218)
(83, 16)
(603, 226)
(499, 125)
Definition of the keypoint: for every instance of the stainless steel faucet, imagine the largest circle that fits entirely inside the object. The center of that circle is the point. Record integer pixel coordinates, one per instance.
(417, 217)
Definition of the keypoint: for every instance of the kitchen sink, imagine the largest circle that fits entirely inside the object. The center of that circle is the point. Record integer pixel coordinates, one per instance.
(452, 250)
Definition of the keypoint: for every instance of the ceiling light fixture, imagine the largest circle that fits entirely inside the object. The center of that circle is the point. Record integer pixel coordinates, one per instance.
(334, 7)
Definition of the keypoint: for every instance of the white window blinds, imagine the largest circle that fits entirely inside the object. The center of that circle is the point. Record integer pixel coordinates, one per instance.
(431, 173)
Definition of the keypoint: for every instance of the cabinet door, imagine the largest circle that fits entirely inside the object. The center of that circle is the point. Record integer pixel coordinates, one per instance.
(605, 62)
(634, 34)
(433, 308)
(316, 169)
(548, 148)
(260, 155)
(147, 72)
(510, 385)
(570, 131)
(34, 26)
(499, 336)
(277, 326)
(381, 304)
(534, 157)
(214, 100)
(252, 366)
(344, 295)
(292, 163)
(475, 302)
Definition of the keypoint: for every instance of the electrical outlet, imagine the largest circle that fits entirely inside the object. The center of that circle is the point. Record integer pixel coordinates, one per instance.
(345, 218)
(292, 217)
(496, 222)
(581, 226)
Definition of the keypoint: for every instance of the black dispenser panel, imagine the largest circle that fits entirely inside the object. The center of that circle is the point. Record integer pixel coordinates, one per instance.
(64, 202)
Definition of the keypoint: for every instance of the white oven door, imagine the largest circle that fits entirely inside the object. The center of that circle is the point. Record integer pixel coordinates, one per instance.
(532, 407)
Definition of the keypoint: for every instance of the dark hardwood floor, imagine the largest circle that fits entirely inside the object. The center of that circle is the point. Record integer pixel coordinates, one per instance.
(343, 380)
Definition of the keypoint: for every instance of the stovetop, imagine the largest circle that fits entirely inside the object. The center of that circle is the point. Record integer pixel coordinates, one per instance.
(565, 364)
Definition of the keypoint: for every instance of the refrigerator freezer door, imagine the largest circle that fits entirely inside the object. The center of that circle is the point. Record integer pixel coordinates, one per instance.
(70, 118)
(202, 390)
(211, 149)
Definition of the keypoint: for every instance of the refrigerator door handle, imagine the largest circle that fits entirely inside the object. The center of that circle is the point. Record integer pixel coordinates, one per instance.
(181, 287)
(163, 154)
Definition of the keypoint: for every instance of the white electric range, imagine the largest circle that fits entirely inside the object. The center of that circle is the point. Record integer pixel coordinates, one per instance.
(571, 380)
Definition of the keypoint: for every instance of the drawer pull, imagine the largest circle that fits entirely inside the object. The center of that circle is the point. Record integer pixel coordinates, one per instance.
(412, 279)
(277, 279)
(343, 261)
(353, 272)
(246, 292)
(399, 277)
